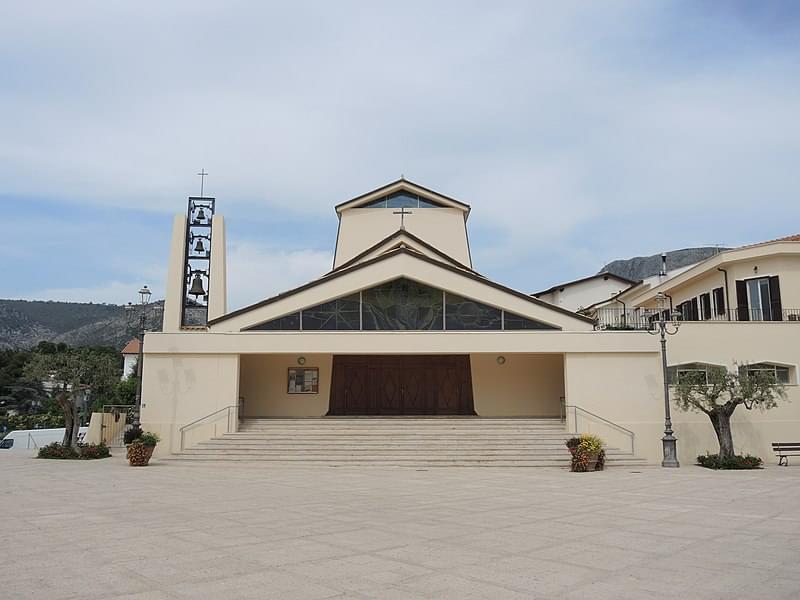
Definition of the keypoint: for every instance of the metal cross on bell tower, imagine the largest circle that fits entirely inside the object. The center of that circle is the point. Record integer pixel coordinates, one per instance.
(403, 212)
(202, 175)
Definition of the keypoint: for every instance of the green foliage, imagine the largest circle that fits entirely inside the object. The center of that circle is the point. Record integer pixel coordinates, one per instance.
(40, 421)
(56, 450)
(71, 372)
(737, 461)
(723, 390)
(720, 392)
(133, 434)
(82, 452)
(149, 439)
(585, 448)
(93, 451)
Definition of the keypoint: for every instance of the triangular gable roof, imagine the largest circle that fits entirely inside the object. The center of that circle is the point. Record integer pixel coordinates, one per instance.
(396, 240)
(132, 347)
(603, 274)
(409, 186)
(545, 312)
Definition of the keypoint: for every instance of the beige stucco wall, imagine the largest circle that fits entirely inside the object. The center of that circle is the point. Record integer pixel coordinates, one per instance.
(180, 388)
(624, 388)
(525, 385)
(530, 385)
(264, 383)
(401, 342)
(627, 389)
(173, 297)
(727, 344)
(443, 228)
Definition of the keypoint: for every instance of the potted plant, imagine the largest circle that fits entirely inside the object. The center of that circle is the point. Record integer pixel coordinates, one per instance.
(588, 453)
(140, 449)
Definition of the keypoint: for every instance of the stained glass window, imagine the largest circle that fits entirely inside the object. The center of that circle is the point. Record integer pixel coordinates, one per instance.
(465, 314)
(339, 314)
(285, 323)
(402, 304)
(514, 322)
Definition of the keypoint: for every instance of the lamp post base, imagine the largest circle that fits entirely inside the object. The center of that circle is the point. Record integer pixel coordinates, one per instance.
(670, 451)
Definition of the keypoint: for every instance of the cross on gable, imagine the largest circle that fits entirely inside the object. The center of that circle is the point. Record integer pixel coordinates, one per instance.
(403, 212)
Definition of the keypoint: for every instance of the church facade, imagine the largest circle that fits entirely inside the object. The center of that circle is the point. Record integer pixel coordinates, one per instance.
(402, 325)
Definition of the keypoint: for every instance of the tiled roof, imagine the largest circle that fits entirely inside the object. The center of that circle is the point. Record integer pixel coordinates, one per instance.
(131, 347)
(788, 238)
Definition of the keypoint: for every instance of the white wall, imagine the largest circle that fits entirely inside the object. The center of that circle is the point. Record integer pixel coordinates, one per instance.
(585, 293)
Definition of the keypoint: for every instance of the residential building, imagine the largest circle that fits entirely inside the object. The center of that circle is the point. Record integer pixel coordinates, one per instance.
(130, 356)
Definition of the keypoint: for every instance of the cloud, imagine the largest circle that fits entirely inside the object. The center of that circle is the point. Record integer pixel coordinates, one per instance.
(579, 132)
(256, 273)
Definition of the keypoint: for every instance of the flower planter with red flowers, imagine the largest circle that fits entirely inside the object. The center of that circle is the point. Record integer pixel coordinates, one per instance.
(588, 453)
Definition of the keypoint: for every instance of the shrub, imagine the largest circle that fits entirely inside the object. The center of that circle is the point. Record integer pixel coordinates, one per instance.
(134, 433)
(92, 451)
(56, 450)
(735, 462)
(149, 439)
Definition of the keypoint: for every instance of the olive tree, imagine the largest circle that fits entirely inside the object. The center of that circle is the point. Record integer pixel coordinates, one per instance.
(70, 372)
(718, 392)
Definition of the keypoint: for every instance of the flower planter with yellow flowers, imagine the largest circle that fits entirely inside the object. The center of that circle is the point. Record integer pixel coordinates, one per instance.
(588, 453)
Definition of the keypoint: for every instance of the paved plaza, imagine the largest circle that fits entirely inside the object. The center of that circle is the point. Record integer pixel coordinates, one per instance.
(103, 530)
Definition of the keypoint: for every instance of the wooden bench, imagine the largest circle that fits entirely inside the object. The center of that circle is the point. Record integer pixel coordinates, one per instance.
(783, 450)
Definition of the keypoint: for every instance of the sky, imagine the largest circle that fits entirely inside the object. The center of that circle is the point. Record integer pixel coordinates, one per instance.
(579, 132)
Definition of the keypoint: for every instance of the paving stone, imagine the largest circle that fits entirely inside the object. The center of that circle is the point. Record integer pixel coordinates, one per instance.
(176, 530)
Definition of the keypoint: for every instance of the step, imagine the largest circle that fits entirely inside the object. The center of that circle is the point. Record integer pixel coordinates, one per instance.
(397, 441)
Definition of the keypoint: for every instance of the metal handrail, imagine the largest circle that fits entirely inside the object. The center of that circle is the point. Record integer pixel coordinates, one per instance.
(631, 435)
(201, 419)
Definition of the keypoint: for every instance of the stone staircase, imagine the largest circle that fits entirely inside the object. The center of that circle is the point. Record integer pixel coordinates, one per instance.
(398, 441)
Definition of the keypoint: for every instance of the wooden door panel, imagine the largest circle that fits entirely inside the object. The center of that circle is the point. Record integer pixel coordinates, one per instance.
(401, 385)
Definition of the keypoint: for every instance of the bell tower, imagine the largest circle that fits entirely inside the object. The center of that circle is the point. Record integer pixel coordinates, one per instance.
(197, 261)
(196, 286)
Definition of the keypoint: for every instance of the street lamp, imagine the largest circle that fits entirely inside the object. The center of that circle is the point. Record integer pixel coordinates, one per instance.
(667, 324)
(137, 318)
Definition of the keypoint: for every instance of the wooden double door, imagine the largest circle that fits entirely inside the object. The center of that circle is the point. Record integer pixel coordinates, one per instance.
(401, 385)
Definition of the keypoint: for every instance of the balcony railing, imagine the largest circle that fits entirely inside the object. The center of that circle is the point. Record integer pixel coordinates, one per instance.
(617, 319)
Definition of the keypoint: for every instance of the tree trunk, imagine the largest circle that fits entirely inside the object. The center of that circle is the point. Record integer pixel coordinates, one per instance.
(722, 426)
(67, 441)
(70, 410)
(76, 423)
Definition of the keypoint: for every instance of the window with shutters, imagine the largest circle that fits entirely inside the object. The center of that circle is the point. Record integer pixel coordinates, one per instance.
(705, 307)
(719, 301)
(759, 299)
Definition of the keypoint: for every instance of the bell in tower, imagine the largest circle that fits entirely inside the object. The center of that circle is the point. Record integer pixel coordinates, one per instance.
(197, 286)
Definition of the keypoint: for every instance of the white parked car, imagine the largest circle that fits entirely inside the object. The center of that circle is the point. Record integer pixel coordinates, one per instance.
(31, 439)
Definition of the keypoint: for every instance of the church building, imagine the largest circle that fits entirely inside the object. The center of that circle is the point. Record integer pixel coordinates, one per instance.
(402, 326)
